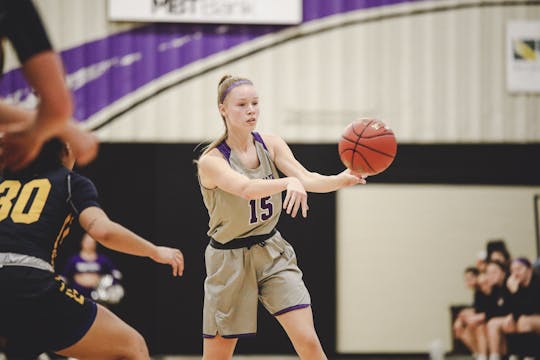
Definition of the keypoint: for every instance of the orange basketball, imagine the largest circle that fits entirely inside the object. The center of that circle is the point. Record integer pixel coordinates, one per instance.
(367, 146)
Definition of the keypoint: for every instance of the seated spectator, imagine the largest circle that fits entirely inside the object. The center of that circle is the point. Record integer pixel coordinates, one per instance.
(481, 261)
(524, 284)
(497, 251)
(490, 301)
(475, 321)
(93, 274)
(524, 289)
(462, 330)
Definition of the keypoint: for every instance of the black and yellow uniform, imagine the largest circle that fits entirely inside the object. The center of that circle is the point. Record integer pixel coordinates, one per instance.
(37, 311)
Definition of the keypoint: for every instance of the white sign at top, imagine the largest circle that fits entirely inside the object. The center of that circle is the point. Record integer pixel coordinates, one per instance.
(208, 11)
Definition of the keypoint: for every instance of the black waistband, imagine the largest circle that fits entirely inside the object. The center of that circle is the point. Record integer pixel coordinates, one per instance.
(243, 242)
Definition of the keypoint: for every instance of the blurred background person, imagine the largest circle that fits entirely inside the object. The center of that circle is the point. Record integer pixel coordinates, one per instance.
(524, 285)
(481, 261)
(462, 330)
(497, 251)
(93, 274)
(524, 288)
(491, 300)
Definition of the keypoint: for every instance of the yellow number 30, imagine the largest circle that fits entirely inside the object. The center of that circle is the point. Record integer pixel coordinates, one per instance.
(22, 211)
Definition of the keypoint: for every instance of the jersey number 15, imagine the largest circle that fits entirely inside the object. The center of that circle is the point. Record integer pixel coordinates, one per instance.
(267, 209)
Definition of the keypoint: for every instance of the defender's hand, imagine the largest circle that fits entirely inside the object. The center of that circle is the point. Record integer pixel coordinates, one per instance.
(173, 257)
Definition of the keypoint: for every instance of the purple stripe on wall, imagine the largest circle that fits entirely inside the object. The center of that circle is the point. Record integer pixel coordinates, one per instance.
(321, 8)
(103, 71)
(106, 70)
(145, 54)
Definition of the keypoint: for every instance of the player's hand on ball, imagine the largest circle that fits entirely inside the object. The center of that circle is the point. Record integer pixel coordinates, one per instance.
(351, 177)
(295, 198)
(173, 257)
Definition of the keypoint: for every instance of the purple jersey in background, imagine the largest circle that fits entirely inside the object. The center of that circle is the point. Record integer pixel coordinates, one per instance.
(102, 265)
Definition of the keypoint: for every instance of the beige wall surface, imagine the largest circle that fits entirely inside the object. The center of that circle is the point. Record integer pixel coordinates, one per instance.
(401, 252)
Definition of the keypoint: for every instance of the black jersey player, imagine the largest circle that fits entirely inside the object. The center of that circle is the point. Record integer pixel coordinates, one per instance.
(38, 312)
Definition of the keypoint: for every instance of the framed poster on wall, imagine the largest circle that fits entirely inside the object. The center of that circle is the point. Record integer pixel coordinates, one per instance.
(523, 56)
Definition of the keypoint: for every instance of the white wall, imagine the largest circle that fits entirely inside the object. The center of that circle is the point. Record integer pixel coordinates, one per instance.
(401, 252)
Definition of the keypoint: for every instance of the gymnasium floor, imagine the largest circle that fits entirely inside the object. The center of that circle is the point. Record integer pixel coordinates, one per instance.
(287, 357)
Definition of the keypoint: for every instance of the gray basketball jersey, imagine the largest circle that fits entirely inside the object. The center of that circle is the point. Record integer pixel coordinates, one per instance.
(234, 217)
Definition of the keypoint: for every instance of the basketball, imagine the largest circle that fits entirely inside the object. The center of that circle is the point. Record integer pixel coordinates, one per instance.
(367, 146)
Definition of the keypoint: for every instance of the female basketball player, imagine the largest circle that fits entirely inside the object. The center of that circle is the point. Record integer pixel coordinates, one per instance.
(247, 259)
(38, 311)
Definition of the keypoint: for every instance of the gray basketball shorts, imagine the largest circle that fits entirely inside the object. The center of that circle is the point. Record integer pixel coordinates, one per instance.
(237, 278)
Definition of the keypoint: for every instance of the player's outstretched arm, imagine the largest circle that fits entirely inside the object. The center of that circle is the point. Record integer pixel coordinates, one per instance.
(312, 181)
(116, 237)
(45, 74)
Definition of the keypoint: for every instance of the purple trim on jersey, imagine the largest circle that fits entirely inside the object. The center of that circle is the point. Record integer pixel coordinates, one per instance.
(291, 308)
(102, 265)
(259, 138)
(225, 150)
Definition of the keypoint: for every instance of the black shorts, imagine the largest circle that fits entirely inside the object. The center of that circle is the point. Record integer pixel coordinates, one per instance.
(39, 313)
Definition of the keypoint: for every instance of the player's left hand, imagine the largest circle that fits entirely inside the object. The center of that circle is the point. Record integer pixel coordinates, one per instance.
(173, 257)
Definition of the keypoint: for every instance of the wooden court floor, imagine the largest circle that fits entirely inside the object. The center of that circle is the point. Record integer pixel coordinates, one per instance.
(347, 357)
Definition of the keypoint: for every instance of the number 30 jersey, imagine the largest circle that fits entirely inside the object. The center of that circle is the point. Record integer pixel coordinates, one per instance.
(36, 212)
(234, 217)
